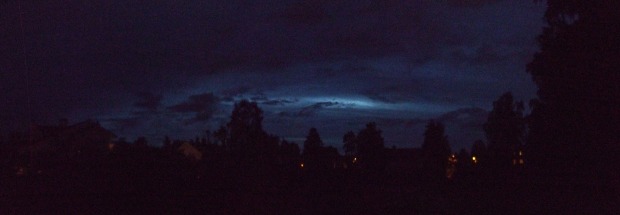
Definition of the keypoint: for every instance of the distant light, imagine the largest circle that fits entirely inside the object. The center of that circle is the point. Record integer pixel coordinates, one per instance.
(301, 165)
(473, 159)
(354, 159)
(452, 159)
(520, 153)
(21, 171)
(521, 161)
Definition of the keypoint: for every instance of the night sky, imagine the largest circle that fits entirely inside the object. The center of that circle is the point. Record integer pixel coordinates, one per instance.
(155, 68)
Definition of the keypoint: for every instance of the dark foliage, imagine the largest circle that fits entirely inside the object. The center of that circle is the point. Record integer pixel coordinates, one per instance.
(370, 148)
(480, 152)
(245, 127)
(435, 149)
(505, 131)
(313, 142)
(577, 73)
(349, 145)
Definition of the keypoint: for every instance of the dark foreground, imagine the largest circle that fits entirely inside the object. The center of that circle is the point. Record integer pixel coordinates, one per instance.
(155, 191)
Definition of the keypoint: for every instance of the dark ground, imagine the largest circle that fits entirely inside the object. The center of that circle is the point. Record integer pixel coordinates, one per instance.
(155, 191)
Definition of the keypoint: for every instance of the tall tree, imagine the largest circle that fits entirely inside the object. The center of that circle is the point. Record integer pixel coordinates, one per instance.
(577, 72)
(370, 147)
(348, 141)
(313, 142)
(253, 151)
(221, 135)
(505, 130)
(245, 127)
(435, 149)
(313, 151)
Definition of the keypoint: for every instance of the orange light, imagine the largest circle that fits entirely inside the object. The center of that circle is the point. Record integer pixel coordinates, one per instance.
(452, 159)
(301, 165)
(473, 159)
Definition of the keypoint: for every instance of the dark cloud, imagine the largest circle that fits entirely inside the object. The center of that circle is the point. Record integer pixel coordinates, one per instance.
(380, 97)
(464, 126)
(408, 123)
(234, 93)
(307, 111)
(278, 102)
(471, 3)
(389, 94)
(306, 13)
(85, 59)
(484, 55)
(148, 101)
(202, 105)
(312, 109)
(466, 117)
(122, 124)
(259, 97)
(196, 103)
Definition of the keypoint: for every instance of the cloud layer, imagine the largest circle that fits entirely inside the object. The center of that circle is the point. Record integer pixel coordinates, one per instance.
(337, 64)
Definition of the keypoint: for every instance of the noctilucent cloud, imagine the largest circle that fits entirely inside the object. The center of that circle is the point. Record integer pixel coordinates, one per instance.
(176, 68)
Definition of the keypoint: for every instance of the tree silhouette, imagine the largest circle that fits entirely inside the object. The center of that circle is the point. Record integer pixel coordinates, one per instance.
(313, 142)
(313, 146)
(370, 147)
(289, 158)
(463, 164)
(253, 152)
(348, 141)
(221, 135)
(577, 74)
(505, 128)
(245, 127)
(577, 61)
(574, 126)
(141, 142)
(435, 149)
